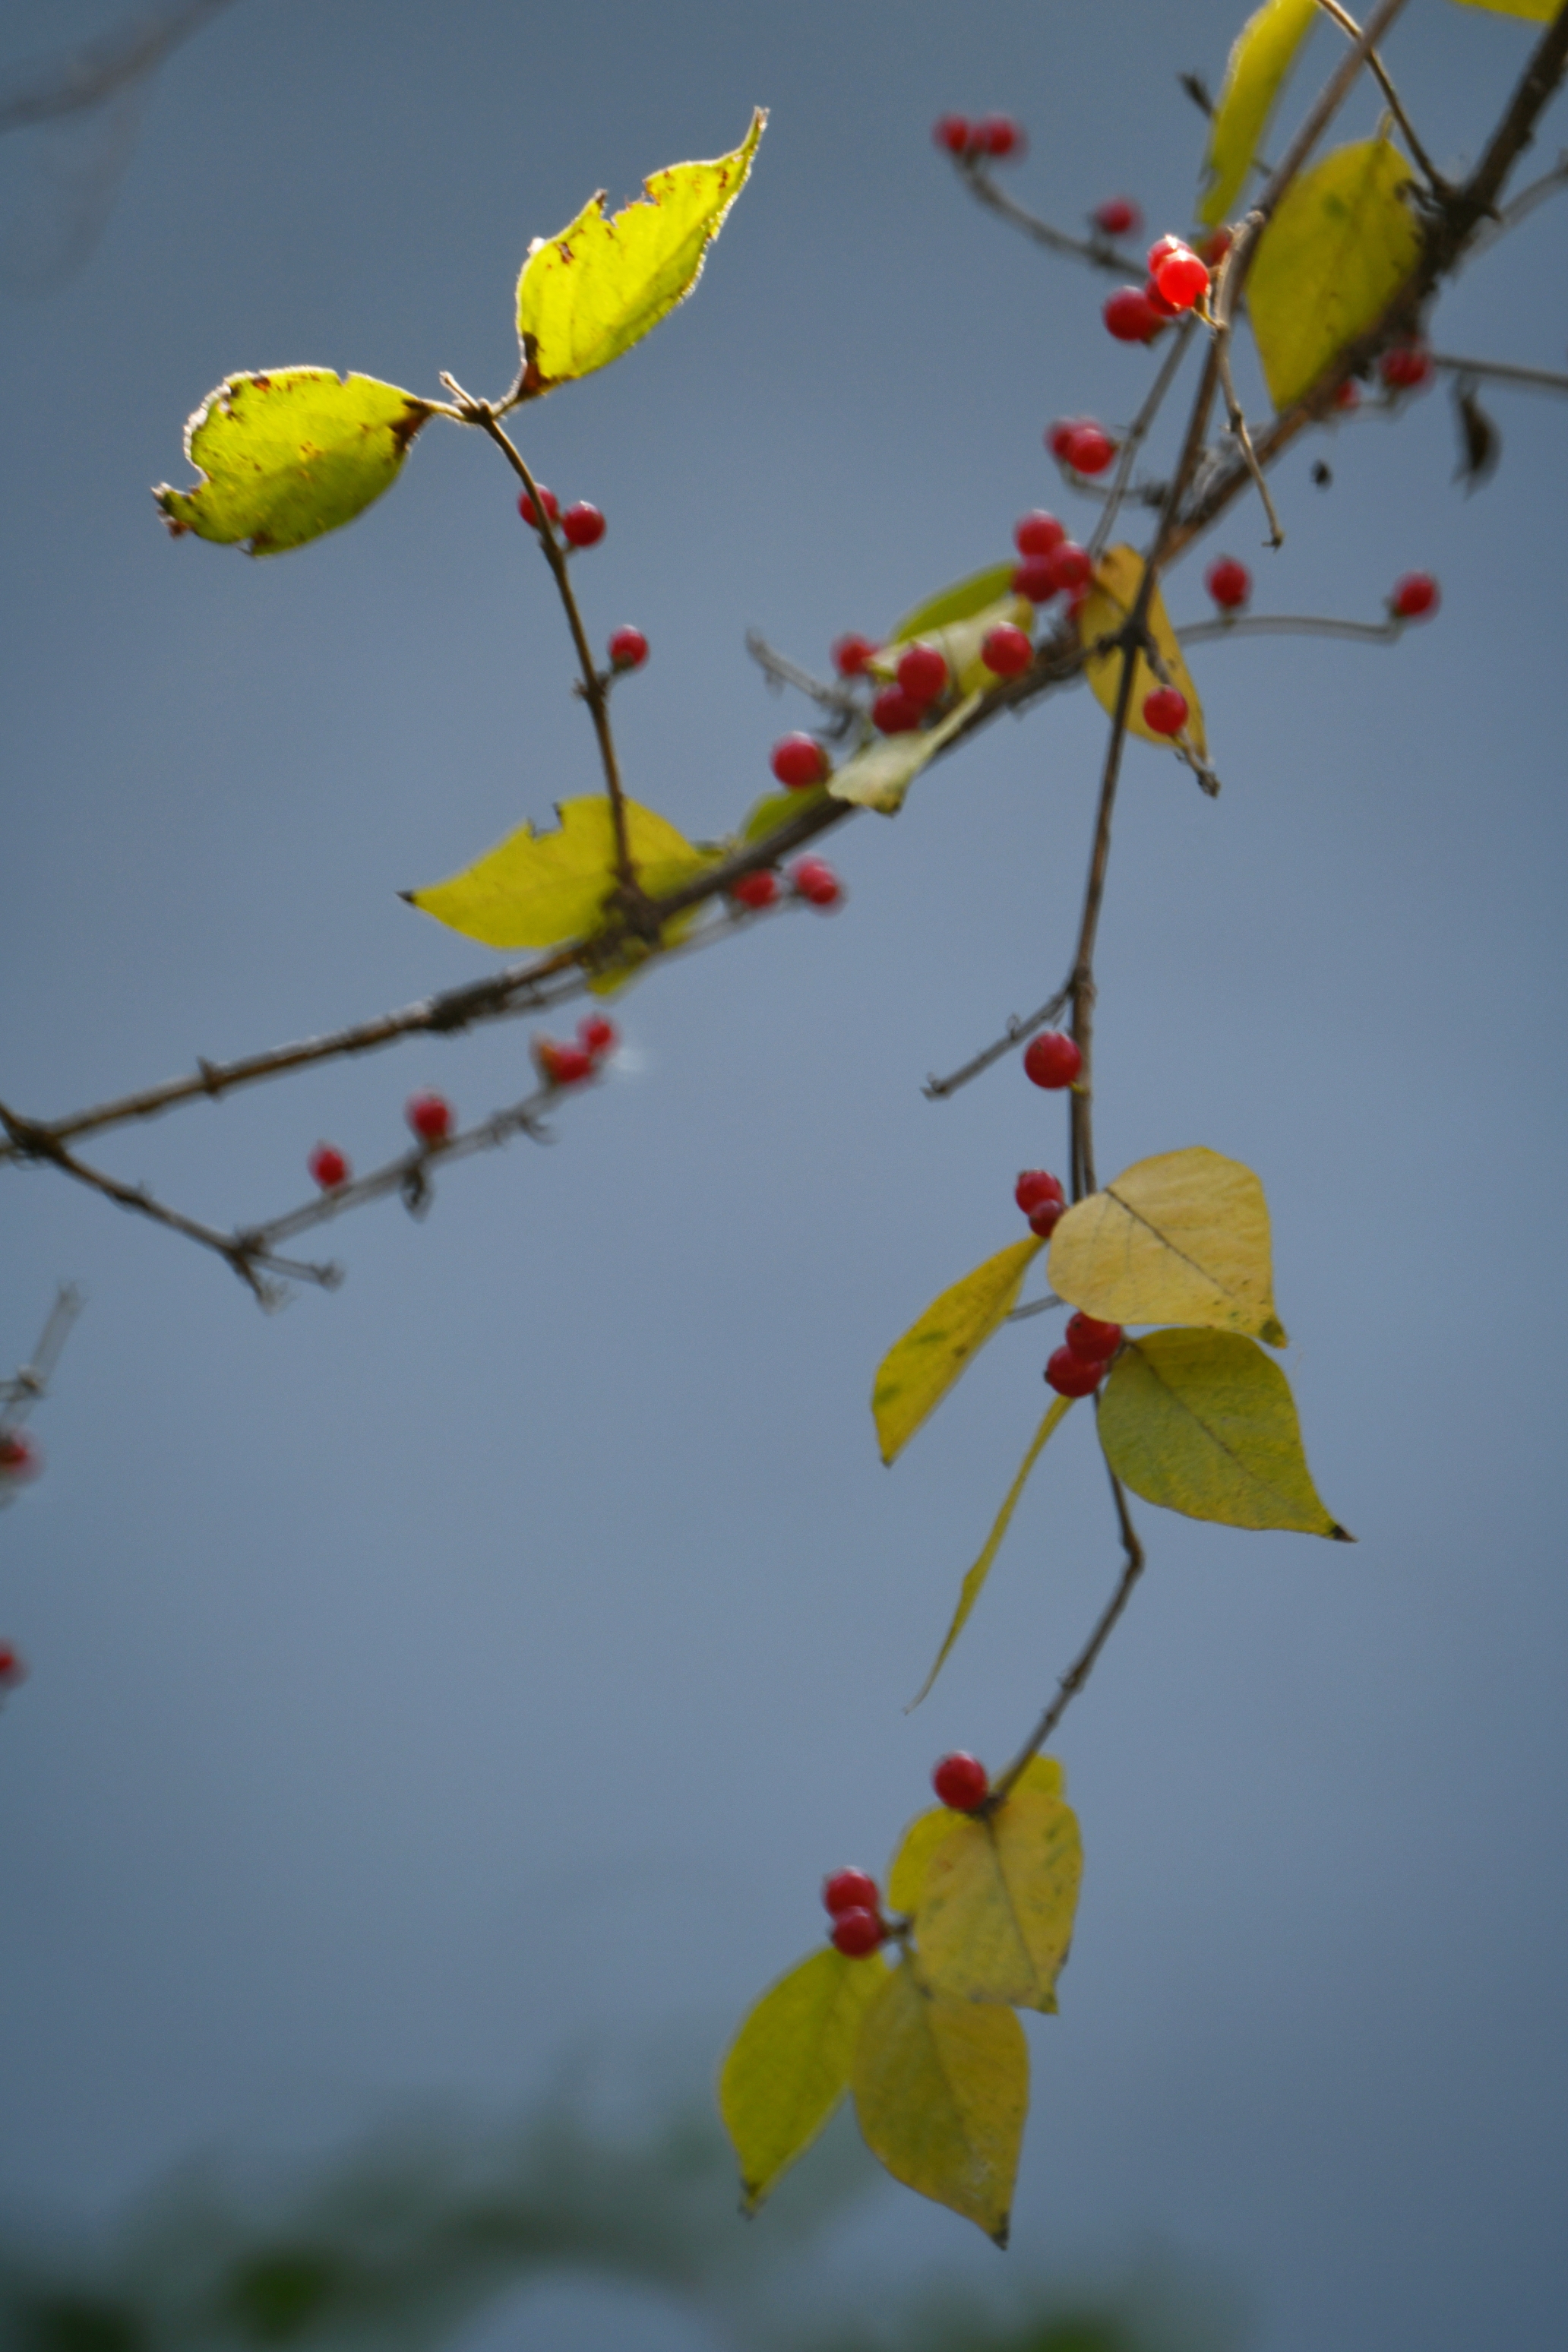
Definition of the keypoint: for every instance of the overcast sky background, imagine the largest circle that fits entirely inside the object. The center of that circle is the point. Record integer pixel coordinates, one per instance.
(445, 1674)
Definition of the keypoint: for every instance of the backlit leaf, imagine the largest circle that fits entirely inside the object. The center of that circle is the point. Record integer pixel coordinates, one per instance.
(942, 2090)
(537, 889)
(918, 1371)
(879, 776)
(959, 642)
(284, 457)
(1337, 251)
(1539, 12)
(776, 809)
(788, 2066)
(1181, 1238)
(1204, 1422)
(995, 1916)
(588, 295)
(1117, 578)
(964, 598)
(1261, 57)
(969, 1592)
(906, 1877)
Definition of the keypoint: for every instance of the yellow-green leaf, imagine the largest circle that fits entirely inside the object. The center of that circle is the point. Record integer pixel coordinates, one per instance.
(995, 1916)
(879, 776)
(788, 2066)
(1117, 579)
(537, 889)
(284, 457)
(1181, 1238)
(958, 602)
(969, 1592)
(915, 1374)
(1204, 1422)
(1335, 254)
(1261, 55)
(906, 1877)
(942, 2089)
(588, 295)
(1539, 12)
(776, 809)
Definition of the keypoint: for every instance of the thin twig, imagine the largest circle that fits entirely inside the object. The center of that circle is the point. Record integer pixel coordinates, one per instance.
(780, 670)
(1138, 432)
(1289, 624)
(1347, 24)
(30, 1381)
(1014, 1034)
(100, 70)
(1097, 251)
(1502, 372)
(1231, 275)
(1326, 105)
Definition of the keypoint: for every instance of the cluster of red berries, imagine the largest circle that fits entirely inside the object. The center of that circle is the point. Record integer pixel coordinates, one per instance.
(1178, 277)
(1081, 1362)
(851, 1897)
(1041, 1198)
(1079, 444)
(1052, 1059)
(997, 135)
(1052, 564)
(20, 1457)
(569, 1065)
(13, 1667)
(581, 526)
(811, 879)
(1406, 367)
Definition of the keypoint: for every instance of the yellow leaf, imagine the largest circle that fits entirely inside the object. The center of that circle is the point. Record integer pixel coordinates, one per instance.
(1261, 57)
(788, 2066)
(879, 776)
(1117, 579)
(537, 889)
(1335, 254)
(915, 1374)
(1181, 1238)
(1204, 1422)
(906, 1877)
(773, 810)
(955, 604)
(942, 2089)
(588, 295)
(1539, 12)
(995, 1916)
(969, 1592)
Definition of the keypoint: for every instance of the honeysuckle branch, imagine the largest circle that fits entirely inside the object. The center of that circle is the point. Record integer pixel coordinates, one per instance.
(1290, 624)
(1098, 251)
(1501, 372)
(1138, 432)
(780, 671)
(1347, 24)
(1011, 1036)
(30, 1381)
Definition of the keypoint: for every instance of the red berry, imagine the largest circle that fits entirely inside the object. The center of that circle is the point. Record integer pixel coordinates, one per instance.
(430, 1116)
(628, 649)
(1038, 533)
(1006, 650)
(1228, 583)
(547, 498)
(1095, 1342)
(799, 762)
(1052, 1059)
(583, 525)
(1090, 451)
(851, 654)
(759, 889)
(1035, 579)
(1157, 302)
(597, 1035)
(1046, 1216)
(1036, 1185)
(998, 135)
(815, 881)
(19, 1455)
(1071, 566)
(1130, 317)
(922, 674)
(857, 1933)
(1165, 711)
(1117, 216)
(1161, 251)
(1406, 367)
(894, 712)
(328, 1167)
(561, 1065)
(961, 1782)
(13, 1667)
(1415, 597)
(1347, 394)
(850, 1890)
(1183, 278)
(1059, 436)
(1073, 1376)
(1216, 246)
(951, 131)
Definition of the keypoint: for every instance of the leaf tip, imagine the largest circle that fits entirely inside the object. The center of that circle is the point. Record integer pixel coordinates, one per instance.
(1000, 2234)
(1274, 1332)
(1341, 1535)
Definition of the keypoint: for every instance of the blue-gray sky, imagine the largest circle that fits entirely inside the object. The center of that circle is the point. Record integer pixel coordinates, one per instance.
(434, 1675)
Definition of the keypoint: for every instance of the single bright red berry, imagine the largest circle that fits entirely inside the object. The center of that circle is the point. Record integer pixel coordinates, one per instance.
(857, 1933)
(814, 880)
(1046, 1216)
(961, 1782)
(951, 131)
(1090, 451)
(1038, 533)
(922, 674)
(1035, 1185)
(597, 1035)
(850, 1890)
(1073, 1376)
(798, 761)
(1165, 711)
(20, 1457)
(1071, 566)
(1117, 216)
(1095, 1342)
(628, 649)
(1228, 583)
(1415, 597)
(997, 135)
(1406, 367)
(1183, 278)
(547, 500)
(429, 1116)
(1130, 317)
(1006, 650)
(1034, 579)
(759, 889)
(583, 525)
(851, 654)
(328, 1167)
(1052, 1059)
(894, 712)
(13, 1667)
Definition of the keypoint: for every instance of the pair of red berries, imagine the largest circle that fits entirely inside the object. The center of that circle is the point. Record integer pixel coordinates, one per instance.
(1178, 277)
(921, 681)
(1080, 444)
(581, 526)
(1081, 1362)
(1052, 1059)
(1052, 562)
(1040, 1196)
(811, 879)
(994, 134)
(568, 1066)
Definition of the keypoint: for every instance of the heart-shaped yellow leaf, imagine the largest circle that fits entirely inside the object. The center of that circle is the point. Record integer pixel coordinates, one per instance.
(995, 1916)
(1339, 248)
(1181, 1238)
(942, 2090)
